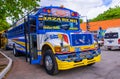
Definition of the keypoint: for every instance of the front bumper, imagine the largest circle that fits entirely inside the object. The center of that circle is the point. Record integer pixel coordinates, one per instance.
(68, 64)
(112, 47)
(64, 65)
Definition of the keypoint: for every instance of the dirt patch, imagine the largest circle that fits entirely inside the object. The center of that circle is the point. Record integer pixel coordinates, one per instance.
(1, 56)
(3, 62)
(2, 67)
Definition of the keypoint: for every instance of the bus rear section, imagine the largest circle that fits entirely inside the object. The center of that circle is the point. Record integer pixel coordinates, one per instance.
(112, 38)
(53, 38)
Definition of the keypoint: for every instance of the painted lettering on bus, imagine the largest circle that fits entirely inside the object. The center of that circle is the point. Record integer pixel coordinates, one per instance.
(49, 18)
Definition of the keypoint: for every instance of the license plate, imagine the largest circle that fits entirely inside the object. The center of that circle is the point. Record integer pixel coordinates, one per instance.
(84, 54)
(109, 46)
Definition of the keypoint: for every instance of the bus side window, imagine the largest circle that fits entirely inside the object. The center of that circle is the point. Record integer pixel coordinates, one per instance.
(40, 25)
(33, 25)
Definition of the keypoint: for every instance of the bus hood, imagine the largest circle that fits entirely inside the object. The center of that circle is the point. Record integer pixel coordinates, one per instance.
(73, 39)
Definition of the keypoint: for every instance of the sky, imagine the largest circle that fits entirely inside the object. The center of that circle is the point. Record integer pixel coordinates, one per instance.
(89, 8)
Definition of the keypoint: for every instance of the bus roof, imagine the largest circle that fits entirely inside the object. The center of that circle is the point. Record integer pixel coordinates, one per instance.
(56, 9)
(49, 10)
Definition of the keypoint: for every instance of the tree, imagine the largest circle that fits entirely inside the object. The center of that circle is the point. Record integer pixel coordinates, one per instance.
(81, 20)
(3, 25)
(14, 9)
(111, 13)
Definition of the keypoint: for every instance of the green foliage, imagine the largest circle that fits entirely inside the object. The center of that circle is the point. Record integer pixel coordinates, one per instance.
(14, 9)
(3, 25)
(112, 13)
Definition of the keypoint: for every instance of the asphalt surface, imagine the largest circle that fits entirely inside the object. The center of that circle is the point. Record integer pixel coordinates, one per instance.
(108, 68)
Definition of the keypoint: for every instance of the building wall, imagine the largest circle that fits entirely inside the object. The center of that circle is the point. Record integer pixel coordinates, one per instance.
(94, 26)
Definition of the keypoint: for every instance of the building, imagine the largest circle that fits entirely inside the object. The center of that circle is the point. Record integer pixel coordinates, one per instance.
(94, 26)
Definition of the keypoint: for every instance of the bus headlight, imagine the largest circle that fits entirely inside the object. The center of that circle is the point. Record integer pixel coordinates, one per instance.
(64, 49)
(61, 49)
(96, 45)
(57, 49)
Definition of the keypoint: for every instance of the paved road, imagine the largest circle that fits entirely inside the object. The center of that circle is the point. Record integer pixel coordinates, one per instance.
(108, 68)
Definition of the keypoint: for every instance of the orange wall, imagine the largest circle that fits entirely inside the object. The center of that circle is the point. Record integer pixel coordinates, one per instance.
(94, 26)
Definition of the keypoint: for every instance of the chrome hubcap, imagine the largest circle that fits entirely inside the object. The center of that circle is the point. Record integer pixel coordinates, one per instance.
(48, 62)
(14, 51)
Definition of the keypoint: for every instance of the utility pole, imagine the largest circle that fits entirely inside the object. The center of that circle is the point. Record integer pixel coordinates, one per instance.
(87, 25)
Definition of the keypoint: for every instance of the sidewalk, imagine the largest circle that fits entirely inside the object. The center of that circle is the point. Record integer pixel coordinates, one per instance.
(5, 64)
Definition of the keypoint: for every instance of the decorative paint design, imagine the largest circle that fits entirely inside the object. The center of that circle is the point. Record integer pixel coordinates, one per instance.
(60, 12)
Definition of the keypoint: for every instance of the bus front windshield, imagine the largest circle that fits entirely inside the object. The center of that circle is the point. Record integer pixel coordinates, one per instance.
(58, 23)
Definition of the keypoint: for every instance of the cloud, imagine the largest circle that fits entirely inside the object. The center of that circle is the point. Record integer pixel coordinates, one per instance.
(81, 6)
(114, 3)
(89, 8)
(96, 11)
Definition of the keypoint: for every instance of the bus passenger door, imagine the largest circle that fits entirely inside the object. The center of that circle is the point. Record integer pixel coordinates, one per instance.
(32, 37)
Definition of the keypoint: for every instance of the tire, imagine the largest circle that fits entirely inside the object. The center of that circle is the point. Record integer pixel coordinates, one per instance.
(15, 53)
(108, 48)
(50, 63)
(99, 45)
(91, 64)
(28, 59)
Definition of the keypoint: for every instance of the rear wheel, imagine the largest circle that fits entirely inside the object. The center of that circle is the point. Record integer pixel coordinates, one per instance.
(15, 53)
(109, 48)
(50, 63)
(28, 59)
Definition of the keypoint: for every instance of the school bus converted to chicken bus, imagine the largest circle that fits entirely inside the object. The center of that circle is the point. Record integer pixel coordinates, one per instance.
(51, 36)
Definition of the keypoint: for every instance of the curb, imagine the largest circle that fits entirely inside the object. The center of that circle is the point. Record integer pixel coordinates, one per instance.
(4, 72)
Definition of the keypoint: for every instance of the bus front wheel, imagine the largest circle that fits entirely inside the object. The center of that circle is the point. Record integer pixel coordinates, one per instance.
(108, 48)
(50, 63)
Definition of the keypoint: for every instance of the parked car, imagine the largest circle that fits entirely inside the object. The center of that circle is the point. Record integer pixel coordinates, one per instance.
(112, 38)
(101, 42)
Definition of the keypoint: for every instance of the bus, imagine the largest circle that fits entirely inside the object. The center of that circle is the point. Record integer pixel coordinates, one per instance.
(51, 36)
(3, 39)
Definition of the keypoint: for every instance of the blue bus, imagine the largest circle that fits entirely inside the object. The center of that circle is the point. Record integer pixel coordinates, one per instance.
(51, 36)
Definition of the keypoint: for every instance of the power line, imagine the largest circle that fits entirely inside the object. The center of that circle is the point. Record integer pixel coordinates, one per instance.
(115, 3)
